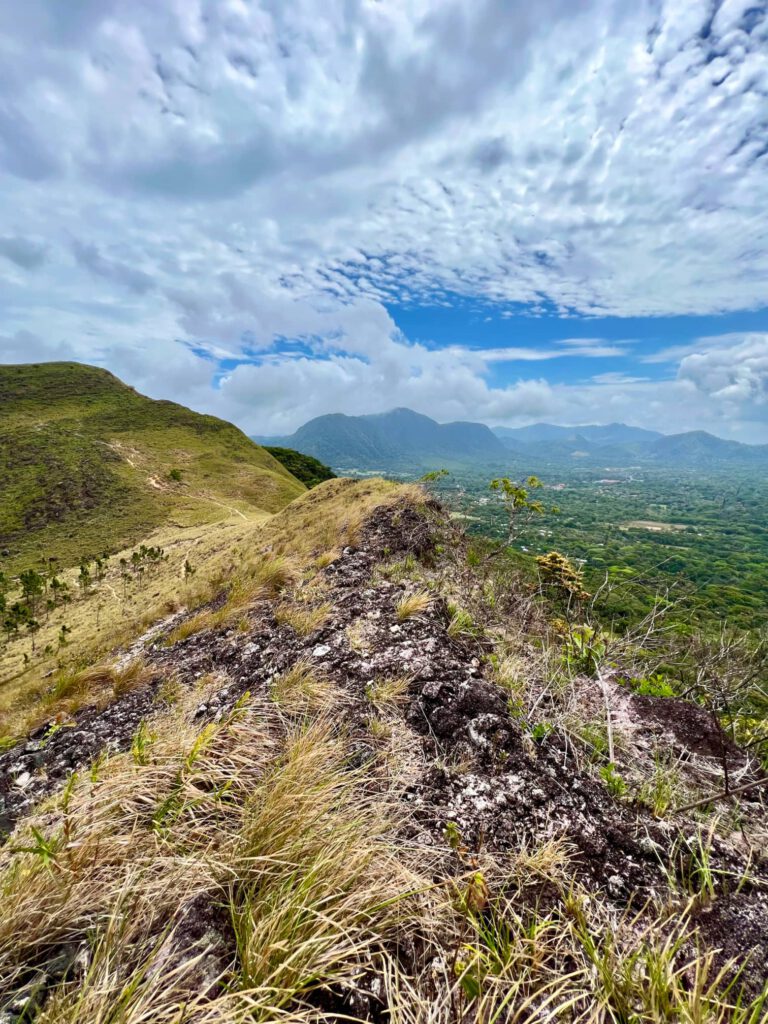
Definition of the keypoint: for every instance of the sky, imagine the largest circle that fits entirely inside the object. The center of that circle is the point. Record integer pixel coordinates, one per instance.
(494, 210)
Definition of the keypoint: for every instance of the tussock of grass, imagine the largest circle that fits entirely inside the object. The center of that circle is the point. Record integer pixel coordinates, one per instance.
(94, 685)
(262, 579)
(301, 690)
(271, 825)
(461, 625)
(310, 904)
(412, 604)
(509, 672)
(267, 577)
(325, 558)
(192, 626)
(388, 693)
(303, 619)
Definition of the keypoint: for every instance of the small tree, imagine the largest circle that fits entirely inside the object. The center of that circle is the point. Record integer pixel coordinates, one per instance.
(433, 476)
(33, 628)
(84, 578)
(59, 589)
(32, 587)
(519, 506)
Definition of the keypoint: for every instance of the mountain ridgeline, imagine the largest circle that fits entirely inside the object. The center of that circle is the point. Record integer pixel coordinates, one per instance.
(403, 440)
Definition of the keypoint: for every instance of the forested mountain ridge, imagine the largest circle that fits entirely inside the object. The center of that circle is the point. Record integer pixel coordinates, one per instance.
(400, 439)
(304, 467)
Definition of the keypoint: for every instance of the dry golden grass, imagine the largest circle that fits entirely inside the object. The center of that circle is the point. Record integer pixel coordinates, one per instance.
(302, 690)
(302, 618)
(325, 558)
(262, 815)
(412, 604)
(269, 822)
(236, 554)
(197, 623)
(388, 693)
(330, 516)
(96, 685)
(112, 614)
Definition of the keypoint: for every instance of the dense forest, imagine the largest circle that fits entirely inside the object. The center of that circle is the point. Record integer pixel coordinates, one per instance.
(698, 540)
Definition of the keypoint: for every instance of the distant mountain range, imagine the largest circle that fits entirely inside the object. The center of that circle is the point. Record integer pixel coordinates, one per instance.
(393, 440)
(403, 440)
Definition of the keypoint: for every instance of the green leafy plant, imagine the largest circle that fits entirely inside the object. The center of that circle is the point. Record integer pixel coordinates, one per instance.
(584, 649)
(461, 624)
(540, 731)
(142, 741)
(613, 780)
(656, 685)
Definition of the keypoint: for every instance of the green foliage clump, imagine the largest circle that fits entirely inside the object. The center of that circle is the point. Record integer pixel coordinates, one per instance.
(309, 470)
(656, 685)
(584, 648)
(613, 780)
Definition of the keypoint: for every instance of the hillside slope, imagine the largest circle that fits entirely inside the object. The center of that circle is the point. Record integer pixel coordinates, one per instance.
(87, 464)
(347, 786)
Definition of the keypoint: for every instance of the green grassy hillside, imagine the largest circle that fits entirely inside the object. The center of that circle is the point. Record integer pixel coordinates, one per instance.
(87, 465)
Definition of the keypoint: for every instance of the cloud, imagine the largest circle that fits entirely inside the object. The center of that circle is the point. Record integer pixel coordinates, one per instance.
(23, 153)
(730, 372)
(253, 188)
(617, 378)
(585, 348)
(111, 270)
(26, 347)
(485, 148)
(23, 252)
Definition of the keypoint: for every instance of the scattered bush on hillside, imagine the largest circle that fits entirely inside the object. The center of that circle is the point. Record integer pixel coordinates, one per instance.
(520, 508)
